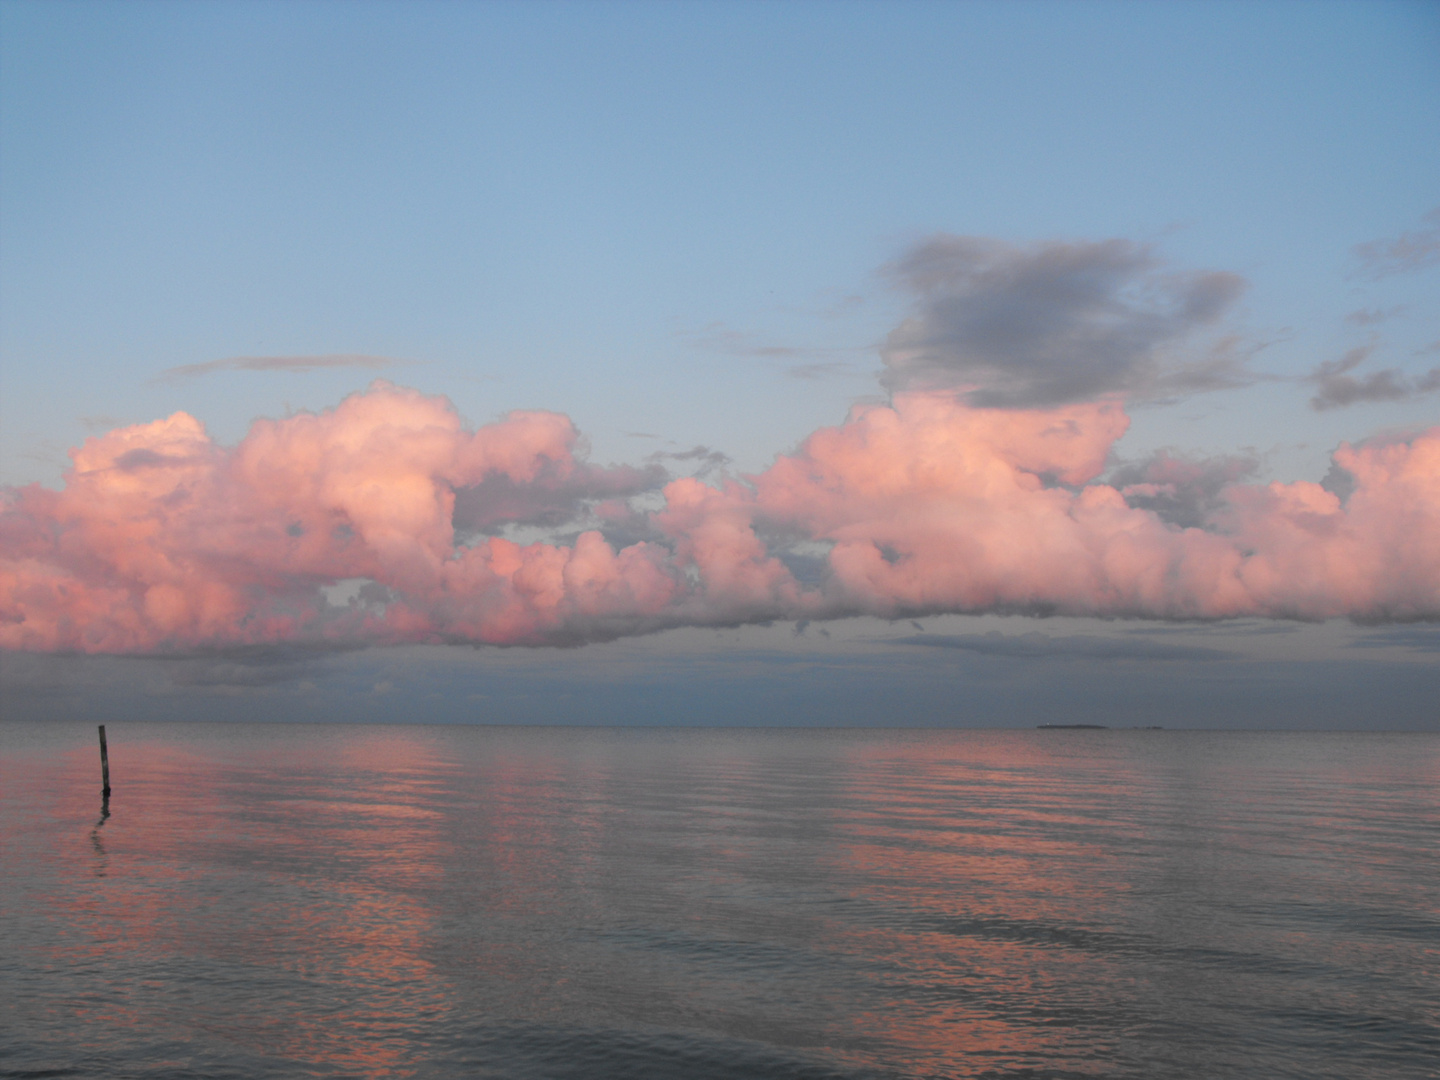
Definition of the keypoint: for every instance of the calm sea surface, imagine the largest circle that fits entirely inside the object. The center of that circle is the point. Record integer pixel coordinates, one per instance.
(276, 901)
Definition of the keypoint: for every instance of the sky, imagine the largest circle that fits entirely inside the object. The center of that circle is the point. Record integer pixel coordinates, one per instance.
(721, 363)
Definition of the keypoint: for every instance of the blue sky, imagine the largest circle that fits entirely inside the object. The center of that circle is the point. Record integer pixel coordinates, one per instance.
(673, 223)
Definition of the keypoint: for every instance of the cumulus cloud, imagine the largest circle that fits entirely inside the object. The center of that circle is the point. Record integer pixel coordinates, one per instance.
(1337, 388)
(1056, 323)
(933, 506)
(164, 541)
(274, 363)
(1410, 251)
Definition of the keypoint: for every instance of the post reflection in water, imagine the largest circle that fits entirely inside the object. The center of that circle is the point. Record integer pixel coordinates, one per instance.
(426, 901)
(96, 843)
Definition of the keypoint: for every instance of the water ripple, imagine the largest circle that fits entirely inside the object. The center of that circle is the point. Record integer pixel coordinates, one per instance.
(264, 901)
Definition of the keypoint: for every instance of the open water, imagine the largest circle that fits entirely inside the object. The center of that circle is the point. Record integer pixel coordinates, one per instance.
(277, 901)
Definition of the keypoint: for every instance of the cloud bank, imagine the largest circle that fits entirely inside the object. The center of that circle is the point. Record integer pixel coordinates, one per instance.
(163, 541)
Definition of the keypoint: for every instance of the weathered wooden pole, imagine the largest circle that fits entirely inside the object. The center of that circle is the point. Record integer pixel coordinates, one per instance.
(104, 764)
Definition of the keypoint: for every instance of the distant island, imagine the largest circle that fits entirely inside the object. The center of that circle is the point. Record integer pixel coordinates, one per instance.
(1093, 727)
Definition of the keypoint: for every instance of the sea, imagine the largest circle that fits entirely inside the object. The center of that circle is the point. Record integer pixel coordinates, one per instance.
(270, 900)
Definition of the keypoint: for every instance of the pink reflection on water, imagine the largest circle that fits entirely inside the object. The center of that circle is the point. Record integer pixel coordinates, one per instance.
(323, 881)
(989, 859)
(350, 899)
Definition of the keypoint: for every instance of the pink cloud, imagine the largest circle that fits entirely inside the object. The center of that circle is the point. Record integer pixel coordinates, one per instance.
(162, 540)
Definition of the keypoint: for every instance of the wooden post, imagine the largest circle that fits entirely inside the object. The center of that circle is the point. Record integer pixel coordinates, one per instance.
(104, 764)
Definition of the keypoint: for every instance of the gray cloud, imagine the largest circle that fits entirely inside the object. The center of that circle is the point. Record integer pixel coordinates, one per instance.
(644, 681)
(808, 363)
(1182, 490)
(1230, 628)
(1337, 388)
(820, 370)
(1371, 316)
(706, 461)
(1340, 482)
(1418, 638)
(1056, 322)
(551, 499)
(1035, 645)
(718, 337)
(247, 666)
(1403, 254)
(274, 363)
(101, 422)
